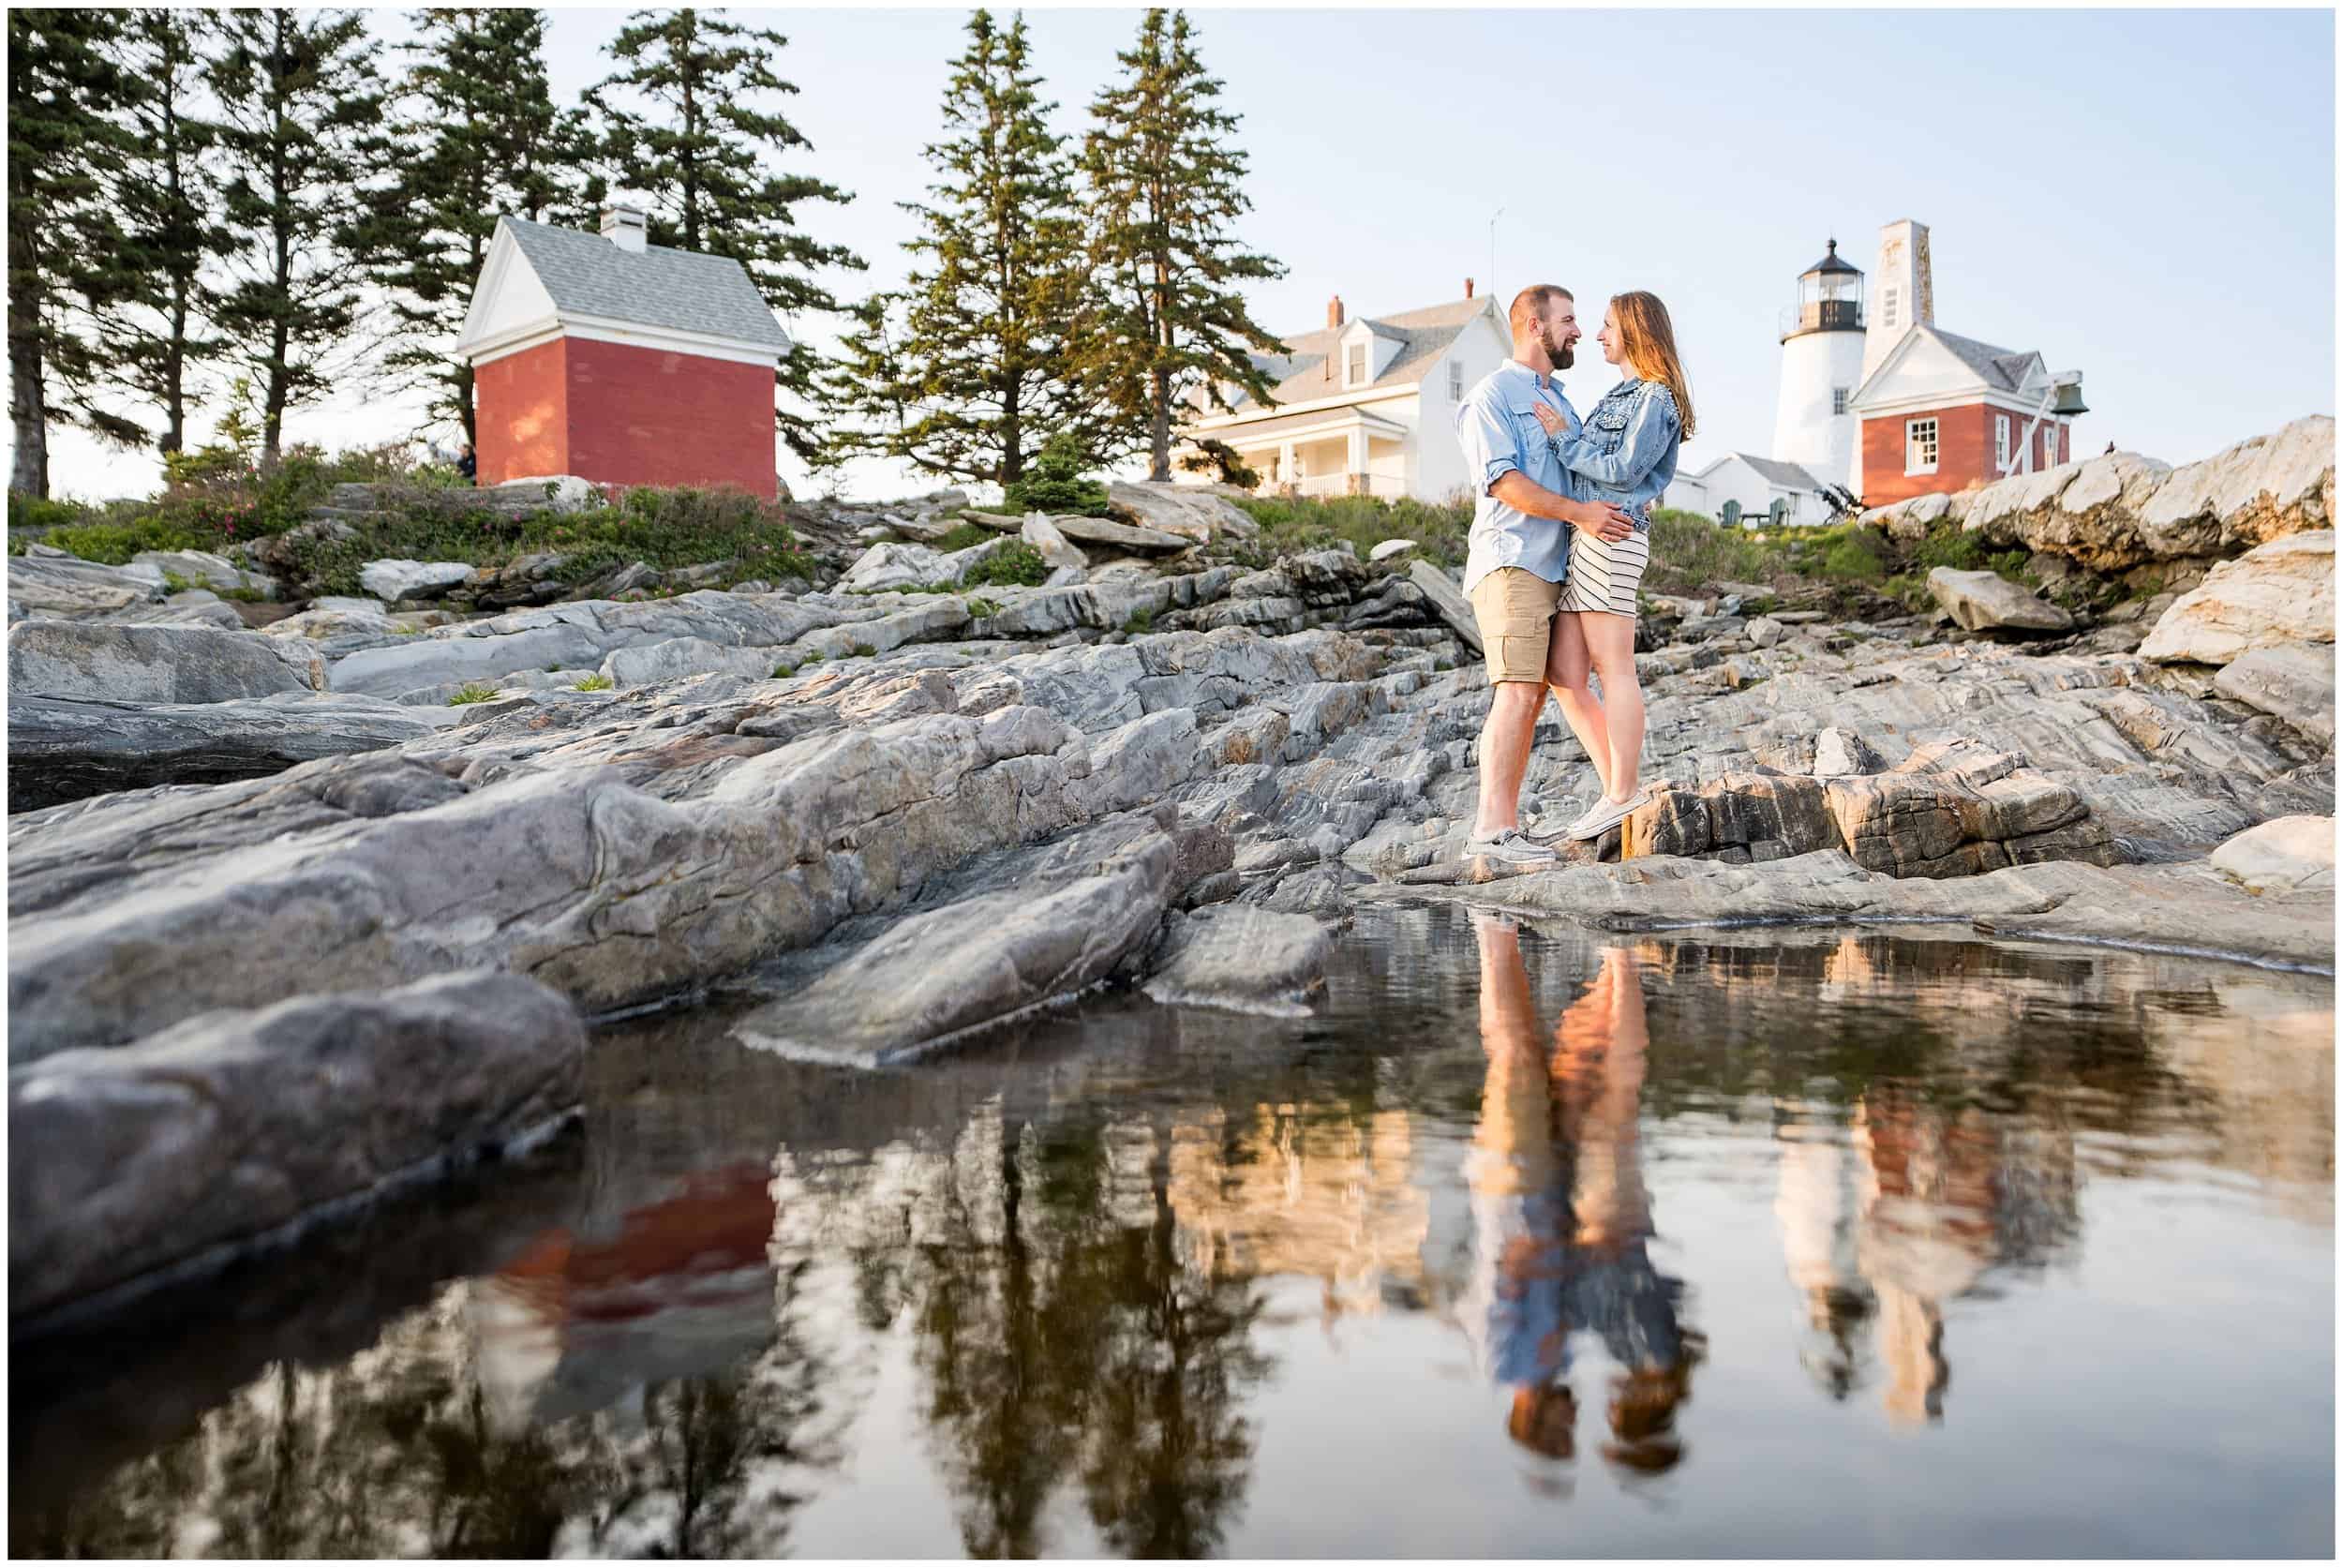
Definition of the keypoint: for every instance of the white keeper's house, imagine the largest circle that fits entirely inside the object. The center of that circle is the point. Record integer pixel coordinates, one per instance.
(1364, 406)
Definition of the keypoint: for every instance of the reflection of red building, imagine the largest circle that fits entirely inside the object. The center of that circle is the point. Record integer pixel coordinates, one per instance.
(668, 1252)
(619, 361)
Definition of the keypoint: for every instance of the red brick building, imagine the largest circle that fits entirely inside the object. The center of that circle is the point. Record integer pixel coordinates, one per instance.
(1943, 412)
(619, 361)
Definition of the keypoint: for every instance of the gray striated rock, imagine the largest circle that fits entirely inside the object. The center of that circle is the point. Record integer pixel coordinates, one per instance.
(1448, 600)
(1987, 602)
(1244, 958)
(206, 570)
(1057, 552)
(115, 663)
(61, 750)
(2294, 681)
(213, 1135)
(49, 583)
(1189, 511)
(884, 567)
(394, 580)
(976, 962)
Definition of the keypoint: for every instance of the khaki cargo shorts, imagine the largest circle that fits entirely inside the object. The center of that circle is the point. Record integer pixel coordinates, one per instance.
(1515, 610)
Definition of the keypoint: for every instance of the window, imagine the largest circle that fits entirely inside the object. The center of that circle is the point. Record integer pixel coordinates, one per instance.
(1838, 399)
(2001, 444)
(2049, 446)
(1455, 381)
(1354, 365)
(1887, 308)
(1919, 446)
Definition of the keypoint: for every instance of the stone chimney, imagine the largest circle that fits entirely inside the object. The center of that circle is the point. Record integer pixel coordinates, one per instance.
(625, 227)
(1334, 311)
(1467, 287)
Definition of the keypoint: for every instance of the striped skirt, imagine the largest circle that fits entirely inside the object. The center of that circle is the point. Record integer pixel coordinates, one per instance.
(1604, 576)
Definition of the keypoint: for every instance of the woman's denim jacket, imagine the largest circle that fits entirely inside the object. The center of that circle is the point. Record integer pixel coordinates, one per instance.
(1625, 451)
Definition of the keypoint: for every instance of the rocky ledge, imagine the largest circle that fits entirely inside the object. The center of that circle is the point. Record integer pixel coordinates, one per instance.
(915, 816)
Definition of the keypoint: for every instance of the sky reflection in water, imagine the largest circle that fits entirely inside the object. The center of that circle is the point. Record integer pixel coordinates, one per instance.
(1756, 1244)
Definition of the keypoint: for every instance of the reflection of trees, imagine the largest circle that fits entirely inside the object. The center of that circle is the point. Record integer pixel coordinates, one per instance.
(1064, 1338)
(395, 1454)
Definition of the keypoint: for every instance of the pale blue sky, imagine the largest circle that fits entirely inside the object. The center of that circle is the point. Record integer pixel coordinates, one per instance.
(2146, 196)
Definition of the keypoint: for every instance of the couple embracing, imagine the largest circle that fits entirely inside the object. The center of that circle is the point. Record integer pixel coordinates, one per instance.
(1559, 546)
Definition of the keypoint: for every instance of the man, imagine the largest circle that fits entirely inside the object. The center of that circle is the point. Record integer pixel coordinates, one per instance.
(1519, 552)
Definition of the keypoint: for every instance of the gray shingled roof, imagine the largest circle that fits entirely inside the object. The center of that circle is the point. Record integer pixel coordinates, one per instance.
(659, 287)
(1423, 335)
(2000, 369)
(1777, 472)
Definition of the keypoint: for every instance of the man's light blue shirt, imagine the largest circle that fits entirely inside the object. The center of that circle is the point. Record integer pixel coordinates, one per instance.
(1498, 426)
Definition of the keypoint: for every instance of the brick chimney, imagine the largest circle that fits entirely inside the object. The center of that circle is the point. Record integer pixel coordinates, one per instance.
(1334, 311)
(1467, 287)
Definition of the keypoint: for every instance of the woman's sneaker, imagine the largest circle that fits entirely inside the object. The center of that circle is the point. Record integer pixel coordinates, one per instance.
(1604, 816)
(1507, 847)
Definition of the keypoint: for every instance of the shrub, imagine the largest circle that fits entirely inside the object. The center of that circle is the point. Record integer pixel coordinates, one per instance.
(1015, 565)
(34, 512)
(1689, 550)
(1220, 460)
(782, 672)
(1053, 482)
(1855, 558)
(471, 694)
(1946, 545)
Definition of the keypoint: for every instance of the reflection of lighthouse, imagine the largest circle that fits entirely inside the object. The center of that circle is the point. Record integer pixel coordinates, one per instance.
(1822, 362)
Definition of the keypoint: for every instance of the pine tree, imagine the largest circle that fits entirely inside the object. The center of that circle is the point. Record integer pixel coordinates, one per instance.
(476, 134)
(64, 245)
(1166, 184)
(167, 195)
(298, 94)
(994, 314)
(701, 162)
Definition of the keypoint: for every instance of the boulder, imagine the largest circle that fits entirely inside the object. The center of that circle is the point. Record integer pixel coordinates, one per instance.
(677, 657)
(47, 582)
(979, 962)
(61, 750)
(2286, 853)
(1765, 630)
(392, 580)
(206, 570)
(229, 1130)
(2259, 489)
(1448, 601)
(1389, 549)
(558, 492)
(1122, 536)
(1987, 602)
(112, 663)
(1057, 552)
(886, 567)
(1189, 511)
(2294, 680)
(2273, 594)
(333, 615)
(1243, 957)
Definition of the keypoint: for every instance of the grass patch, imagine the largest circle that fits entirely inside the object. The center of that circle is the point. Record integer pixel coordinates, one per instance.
(979, 606)
(1141, 618)
(963, 536)
(782, 672)
(864, 650)
(596, 682)
(1294, 523)
(471, 694)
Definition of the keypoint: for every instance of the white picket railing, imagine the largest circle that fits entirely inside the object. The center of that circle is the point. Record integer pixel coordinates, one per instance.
(1386, 486)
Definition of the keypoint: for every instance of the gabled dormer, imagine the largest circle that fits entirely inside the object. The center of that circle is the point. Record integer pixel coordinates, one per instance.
(1364, 353)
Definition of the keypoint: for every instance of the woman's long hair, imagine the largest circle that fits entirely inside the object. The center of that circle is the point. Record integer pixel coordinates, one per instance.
(1648, 340)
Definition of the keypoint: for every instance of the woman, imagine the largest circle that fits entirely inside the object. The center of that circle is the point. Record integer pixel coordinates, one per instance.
(1624, 454)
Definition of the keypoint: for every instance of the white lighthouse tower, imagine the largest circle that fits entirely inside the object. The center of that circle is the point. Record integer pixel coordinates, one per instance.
(1822, 362)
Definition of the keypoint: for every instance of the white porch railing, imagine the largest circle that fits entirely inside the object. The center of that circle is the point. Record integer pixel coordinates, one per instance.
(1386, 486)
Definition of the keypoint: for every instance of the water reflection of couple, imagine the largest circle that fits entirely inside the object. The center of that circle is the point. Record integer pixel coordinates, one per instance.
(1560, 1214)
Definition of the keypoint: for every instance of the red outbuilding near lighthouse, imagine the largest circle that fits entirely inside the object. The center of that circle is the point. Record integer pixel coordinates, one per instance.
(619, 361)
